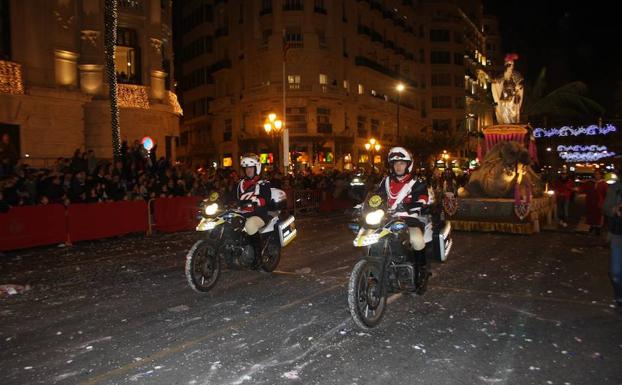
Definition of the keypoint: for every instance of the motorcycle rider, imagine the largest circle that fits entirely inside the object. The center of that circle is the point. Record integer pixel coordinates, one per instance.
(253, 195)
(405, 193)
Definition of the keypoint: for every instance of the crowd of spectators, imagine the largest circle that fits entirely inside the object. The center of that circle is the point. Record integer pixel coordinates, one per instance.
(139, 175)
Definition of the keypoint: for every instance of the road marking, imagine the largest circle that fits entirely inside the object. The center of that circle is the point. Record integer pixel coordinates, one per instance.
(164, 353)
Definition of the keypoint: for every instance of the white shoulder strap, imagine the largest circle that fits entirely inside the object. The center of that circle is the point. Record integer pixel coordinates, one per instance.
(403, 193)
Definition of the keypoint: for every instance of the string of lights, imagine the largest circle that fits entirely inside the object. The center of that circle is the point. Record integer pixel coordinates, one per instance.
(580, 148)
(591, 130)
(572, 157)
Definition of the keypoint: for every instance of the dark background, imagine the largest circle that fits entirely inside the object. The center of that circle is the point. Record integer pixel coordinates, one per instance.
(573, 40)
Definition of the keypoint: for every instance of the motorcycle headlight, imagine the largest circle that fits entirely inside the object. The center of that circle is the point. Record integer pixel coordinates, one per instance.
(374, 217)
(211, 209)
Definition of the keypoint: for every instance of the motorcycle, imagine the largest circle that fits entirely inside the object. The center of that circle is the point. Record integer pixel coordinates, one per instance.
(385, 266)
(225, 240)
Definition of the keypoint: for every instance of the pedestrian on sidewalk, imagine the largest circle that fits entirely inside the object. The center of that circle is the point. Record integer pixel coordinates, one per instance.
(595, 191)
(612, 208)
(563, 188)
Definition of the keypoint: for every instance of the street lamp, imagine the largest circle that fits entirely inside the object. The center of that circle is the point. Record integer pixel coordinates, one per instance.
(273, 127)
(372, 147)
(400, 87)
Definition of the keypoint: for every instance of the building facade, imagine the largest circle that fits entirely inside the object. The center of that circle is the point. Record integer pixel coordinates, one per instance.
(334, 65)
(53, 91)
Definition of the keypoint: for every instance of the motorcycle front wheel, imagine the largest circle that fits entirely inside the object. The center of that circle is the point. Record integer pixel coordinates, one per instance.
(367, 299)
(202, 266)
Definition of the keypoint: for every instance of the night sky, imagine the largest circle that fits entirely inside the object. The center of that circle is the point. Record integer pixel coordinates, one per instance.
(573, 40)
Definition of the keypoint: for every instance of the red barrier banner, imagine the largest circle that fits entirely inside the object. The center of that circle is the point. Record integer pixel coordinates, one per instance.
(29, 226)
(107, 219)
(176, 214)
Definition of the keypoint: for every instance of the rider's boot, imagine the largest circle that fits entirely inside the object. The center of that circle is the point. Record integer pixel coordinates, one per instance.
(421, 271)
(255, 241)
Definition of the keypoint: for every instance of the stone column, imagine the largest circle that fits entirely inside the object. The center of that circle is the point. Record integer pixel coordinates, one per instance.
(65, 68)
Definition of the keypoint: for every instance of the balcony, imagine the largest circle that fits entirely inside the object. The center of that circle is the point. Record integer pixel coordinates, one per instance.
(135, 96)
(221, 65)
(365, 62)
(132, 5)
(292, 6)
(320, 10)
(265, 11)
(222, 31)
(11, 78)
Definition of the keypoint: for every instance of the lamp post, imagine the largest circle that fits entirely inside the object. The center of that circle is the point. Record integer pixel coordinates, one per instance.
(400, 87)
(273, 127)
(372, 147)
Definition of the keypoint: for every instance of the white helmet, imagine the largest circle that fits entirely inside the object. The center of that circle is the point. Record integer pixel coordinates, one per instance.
(399, 153)
(251, 161)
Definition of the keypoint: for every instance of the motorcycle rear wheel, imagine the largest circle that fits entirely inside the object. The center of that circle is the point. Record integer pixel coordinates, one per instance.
(271, 256)
(202, 266)
(366, 298)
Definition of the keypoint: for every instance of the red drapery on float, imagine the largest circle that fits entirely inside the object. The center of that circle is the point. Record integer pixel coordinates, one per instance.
(30, 226)
(176, 214)
(108, 219)
(501, 133)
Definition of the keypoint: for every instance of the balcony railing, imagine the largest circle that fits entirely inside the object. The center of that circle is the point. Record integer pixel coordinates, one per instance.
(293, 6)
(220, 65)
(135, 96)
(222, 31)
(11, 78)
(136, 5)
(365, 62)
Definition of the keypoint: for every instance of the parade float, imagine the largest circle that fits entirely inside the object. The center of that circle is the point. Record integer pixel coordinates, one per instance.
(504, 194)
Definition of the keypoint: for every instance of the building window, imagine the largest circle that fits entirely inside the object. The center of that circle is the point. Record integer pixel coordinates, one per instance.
(441, 124)
(441, 101)
(127, 56)
(265, 37)
(421, 55)
(439, 35)
(361, 89)
(458, 37)
(5, 30)
(228, 130)
(297, 119)
(292, 5)
(459, 102)
(293, 37)
(319, 7)
(458, 58)
(346, 85)
(345, 47)
(293, 81)
(323, 121)
(375, 127)
(361, 126)
(324, 82)
(440, 57)
(441, 80)
(321, 37)
(344, 18)
(266, 7)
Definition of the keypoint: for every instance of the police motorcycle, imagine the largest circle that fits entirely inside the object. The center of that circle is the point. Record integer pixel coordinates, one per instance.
(226, 241)
(385, 266)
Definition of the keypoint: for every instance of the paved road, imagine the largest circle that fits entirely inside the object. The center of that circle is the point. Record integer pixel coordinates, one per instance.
(504, 310)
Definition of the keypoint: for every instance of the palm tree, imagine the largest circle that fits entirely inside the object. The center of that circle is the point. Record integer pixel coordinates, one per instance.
(110, 40)
(566, 103)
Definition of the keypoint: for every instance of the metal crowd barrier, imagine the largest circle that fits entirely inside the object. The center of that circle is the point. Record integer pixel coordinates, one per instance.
(306, 201)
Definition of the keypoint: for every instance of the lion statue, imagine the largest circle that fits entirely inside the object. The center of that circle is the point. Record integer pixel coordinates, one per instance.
(506, 164)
